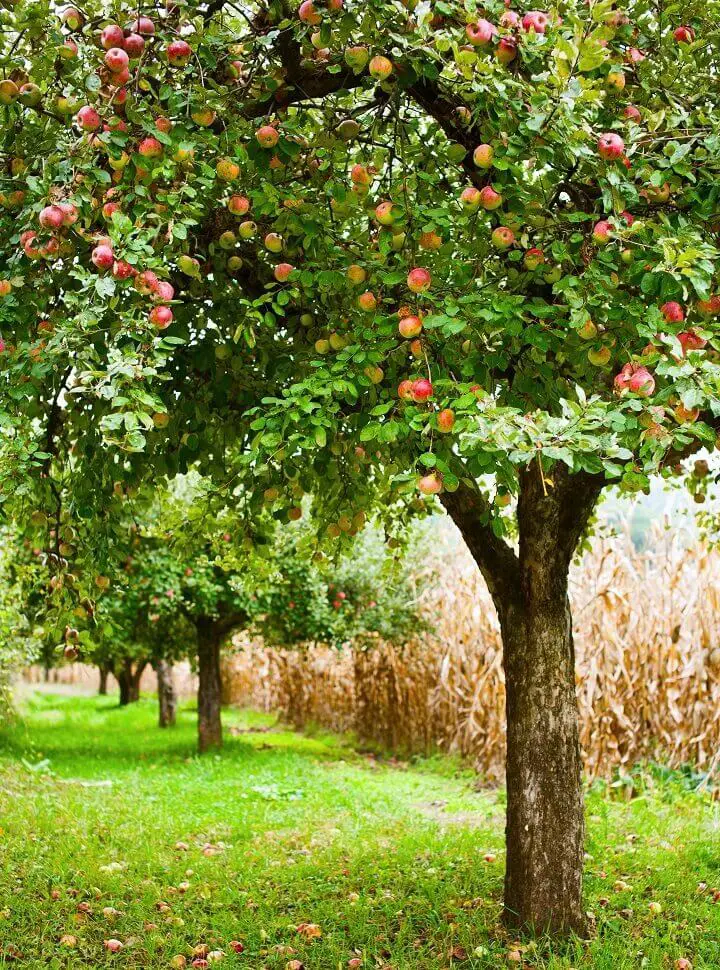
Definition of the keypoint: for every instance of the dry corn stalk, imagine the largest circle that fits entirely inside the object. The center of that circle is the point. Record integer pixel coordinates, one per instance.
(648, 661)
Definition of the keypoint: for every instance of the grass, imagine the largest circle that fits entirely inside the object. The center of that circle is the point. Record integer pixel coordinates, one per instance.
(398, 865)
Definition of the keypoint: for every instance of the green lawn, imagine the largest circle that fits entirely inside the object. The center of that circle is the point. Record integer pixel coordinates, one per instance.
(280, 830)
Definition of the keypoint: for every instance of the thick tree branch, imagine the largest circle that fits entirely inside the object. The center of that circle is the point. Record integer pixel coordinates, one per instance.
(554, 509)
(495, 558)
(445, 110)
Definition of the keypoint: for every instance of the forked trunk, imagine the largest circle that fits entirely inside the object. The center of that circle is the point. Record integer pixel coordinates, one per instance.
(545, 818)
(209, 686)
(167, 698)
(129, 681)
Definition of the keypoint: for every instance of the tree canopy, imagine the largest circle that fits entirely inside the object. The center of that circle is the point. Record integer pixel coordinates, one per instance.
(264, 239)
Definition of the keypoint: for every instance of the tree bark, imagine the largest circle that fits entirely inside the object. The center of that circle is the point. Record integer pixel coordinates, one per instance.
(123, 679)
(129, 681)
(167, 698)
(545, 818)
(209, 685)
(102, 686)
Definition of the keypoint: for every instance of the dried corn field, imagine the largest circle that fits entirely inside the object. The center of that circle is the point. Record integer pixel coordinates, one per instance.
(647, 629)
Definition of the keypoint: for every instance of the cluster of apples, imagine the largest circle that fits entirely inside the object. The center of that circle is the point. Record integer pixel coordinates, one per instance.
(58, 216)
(53, 218)
(484, 33)
(639, 380)
(146, 282)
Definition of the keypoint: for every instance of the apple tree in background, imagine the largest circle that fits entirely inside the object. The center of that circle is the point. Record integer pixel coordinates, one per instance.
(377, 252)
(168, 606)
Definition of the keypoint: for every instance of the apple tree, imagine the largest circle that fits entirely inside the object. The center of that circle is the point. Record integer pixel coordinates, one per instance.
(382, 252)
(169, 600)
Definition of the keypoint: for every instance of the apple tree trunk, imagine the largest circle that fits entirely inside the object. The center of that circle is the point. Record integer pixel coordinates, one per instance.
(102, 685)
(128, 679)
(167, 697)
(545, 825)
(209, 685)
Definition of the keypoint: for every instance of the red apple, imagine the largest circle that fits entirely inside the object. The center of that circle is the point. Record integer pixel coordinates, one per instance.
(410, 327)
(51, 217)
(367, 301)
(533, 258)
(70, 213)
(116, 60)
(150, 147)
(112, 36)
(689, 340)
(405, 390)
(422, 390)
(610, 147)
(134, 46)
(536, 21)
(122, 270)
(283, 272)
(144, 26)
(430, 484)
(308, 14)
(446, 420)
(359, 175)
(502, 237)
(419, 280)
(602, 232)
(672, 312)
(164, 292)
(380, 68)
(489, 198)
(267, 136)
(711, 307)
(88, 118)
(634, 56)
(102, 256)
(178, 53)
(642, 382)
(684, 34)
(238, 205)
(506, 50)
(161, 317)
(480, 33)
(146, 282)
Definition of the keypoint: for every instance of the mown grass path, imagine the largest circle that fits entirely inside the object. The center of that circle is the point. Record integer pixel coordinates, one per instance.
(396, 865)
